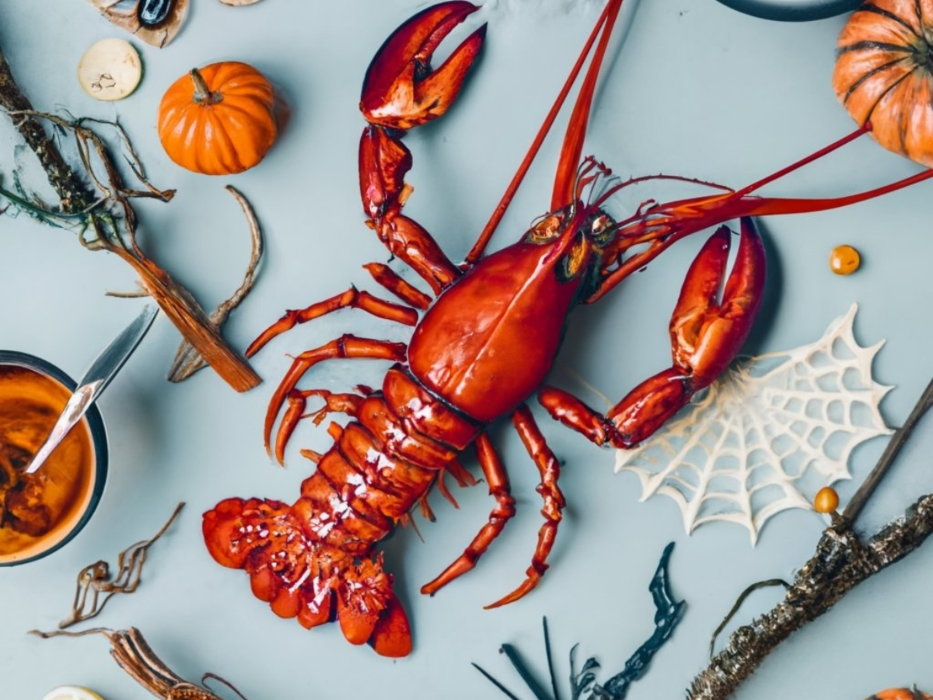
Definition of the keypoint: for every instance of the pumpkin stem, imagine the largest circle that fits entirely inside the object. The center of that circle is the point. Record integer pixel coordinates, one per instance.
(203, 95)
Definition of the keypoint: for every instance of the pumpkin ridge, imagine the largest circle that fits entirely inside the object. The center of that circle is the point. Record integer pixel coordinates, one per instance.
(891, 87)
(869, 45)
(873, 72)
(202, 130)
(874, 9)
(229, 151)
(918, 8)
(233, 105)
(262, 122)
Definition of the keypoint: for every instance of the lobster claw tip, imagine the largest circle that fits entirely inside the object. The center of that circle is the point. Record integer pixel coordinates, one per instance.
(706, 334)
(400, 90)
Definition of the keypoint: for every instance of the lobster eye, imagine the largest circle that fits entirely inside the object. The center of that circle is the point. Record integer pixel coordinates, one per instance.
(601, 227)
(547, 229)
(600, 224)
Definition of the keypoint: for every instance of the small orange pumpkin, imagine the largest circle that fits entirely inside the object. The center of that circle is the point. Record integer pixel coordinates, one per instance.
(901, 694)
(218, 120)
(883, 74)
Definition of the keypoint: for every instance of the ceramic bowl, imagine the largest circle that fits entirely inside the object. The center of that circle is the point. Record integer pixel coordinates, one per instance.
(82, 505)
(792, 10)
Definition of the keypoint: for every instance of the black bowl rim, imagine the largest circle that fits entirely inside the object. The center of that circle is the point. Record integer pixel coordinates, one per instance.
(775, 10)
(98, 435)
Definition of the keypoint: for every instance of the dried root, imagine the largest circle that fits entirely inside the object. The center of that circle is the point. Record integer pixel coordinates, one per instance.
(187, 359)
(134, 655)
(95, 580)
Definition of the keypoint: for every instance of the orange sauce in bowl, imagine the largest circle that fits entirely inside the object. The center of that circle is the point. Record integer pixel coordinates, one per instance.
(40, 510)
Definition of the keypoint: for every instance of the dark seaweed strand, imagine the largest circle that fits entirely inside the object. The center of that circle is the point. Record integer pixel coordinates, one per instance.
(581, 682)
(550, 660)
(512, 653)
(668, 614)
(506, 691)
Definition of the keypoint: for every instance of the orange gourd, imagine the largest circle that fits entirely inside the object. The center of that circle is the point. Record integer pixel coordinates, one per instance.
(883, 74)
(901, 694)
(218, 120)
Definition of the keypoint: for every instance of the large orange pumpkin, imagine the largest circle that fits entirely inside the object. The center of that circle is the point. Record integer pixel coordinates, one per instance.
(218, 120)
(883, 74)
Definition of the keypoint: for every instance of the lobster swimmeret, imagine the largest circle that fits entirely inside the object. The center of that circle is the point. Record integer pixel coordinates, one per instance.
(483, 344)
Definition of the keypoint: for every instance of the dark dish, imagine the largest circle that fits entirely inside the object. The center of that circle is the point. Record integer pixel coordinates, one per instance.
(41, 512)
(792, 10)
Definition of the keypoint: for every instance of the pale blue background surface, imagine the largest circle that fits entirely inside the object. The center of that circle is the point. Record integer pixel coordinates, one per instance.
(697, 89)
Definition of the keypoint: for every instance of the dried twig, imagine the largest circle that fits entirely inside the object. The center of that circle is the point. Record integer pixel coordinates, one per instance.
(187, 359)
(95, 202)
(95, 579)
(134, 655)
(840, 563)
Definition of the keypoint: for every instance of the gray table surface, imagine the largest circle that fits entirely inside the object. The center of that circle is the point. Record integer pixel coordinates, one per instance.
(696, 89)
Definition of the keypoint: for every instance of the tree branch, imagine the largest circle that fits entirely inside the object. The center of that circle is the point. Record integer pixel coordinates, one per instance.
(841, 562)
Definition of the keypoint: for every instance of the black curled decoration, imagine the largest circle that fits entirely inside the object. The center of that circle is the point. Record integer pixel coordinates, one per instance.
(668, 613)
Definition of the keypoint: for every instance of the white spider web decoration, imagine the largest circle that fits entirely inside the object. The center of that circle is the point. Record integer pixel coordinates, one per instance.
(768, 433)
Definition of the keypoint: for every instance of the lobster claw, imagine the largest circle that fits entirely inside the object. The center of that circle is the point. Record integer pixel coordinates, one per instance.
(707, 333)
(400, 91)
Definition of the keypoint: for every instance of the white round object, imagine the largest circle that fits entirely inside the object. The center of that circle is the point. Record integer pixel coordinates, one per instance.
(71, 692)
(110, 70)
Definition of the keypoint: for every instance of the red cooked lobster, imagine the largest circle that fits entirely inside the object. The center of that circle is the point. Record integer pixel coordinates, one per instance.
(484, 341)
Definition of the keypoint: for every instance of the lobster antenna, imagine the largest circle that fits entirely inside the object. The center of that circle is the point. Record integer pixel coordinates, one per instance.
(572, 148)
(480, 246)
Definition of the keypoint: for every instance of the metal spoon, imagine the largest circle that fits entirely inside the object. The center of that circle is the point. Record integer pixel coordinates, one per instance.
(95, 380)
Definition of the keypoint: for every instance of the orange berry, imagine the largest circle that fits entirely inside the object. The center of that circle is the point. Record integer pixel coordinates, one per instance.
(826, 500)
(844, 260)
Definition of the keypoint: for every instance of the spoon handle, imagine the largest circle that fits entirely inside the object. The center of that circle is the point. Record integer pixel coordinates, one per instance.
(95, 380)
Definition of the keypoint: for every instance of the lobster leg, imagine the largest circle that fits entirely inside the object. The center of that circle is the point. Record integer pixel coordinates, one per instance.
(352, 298)
(504, 509)
(388, 278)
(705, 337)
(549, 469)
(344, 347)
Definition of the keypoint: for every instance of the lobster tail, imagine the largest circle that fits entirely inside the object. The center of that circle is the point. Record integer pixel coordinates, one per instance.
(313, 582)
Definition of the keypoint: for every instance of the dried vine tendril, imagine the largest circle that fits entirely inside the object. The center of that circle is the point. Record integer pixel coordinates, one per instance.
(95, 580)
(187, 359)
(668, 613)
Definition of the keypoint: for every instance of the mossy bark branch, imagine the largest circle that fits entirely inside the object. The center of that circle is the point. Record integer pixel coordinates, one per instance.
(76, 191)
(842, 561)
(75, 194)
